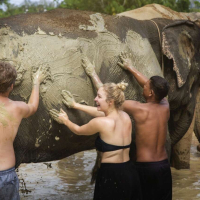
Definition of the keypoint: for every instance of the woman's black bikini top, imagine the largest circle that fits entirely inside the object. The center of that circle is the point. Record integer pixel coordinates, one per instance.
(104, 147)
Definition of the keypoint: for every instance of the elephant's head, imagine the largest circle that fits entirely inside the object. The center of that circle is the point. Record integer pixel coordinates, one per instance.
(181, 47)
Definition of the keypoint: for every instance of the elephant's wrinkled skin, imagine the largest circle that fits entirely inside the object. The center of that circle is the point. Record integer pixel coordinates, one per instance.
(60, 38)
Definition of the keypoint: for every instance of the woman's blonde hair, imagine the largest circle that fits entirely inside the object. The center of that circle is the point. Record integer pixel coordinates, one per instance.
(115, 92)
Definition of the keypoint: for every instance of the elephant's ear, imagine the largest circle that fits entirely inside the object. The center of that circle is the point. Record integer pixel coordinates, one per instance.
(178, 41)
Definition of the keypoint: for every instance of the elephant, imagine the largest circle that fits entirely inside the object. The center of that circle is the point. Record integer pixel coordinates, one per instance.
(60, 38)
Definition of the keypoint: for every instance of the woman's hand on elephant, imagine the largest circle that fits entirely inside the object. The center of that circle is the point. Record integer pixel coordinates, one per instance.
(61, 117)
(55, 115)
(41, 74)
(88, 66)
(68, 99)
(126, 61)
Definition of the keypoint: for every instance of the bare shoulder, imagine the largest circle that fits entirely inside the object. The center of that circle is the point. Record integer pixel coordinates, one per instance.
(102, 123)
(16, 105)
(132, 107)
(20, 104)
(22, 108)
(103, 120)
(124, 115)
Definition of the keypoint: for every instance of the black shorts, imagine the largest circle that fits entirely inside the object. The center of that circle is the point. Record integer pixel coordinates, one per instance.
(117, 181)
(155, 179)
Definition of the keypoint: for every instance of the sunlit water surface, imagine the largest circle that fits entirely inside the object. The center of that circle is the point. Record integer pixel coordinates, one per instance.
(69, 179)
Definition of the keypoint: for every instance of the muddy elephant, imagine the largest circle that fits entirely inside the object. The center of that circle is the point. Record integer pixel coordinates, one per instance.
(60, 38)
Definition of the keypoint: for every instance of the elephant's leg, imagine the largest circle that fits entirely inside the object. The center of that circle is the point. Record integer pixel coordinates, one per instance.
(197, 119)
(181, 150)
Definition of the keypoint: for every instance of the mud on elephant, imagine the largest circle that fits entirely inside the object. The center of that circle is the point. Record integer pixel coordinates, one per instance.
(60, 38)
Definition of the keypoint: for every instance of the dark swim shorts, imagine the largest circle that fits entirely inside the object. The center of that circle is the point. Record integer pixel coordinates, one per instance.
(9, 185)
(155, 179)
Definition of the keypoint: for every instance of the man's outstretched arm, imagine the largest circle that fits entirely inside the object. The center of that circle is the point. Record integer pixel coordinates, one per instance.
(126, 64)
(31, 107)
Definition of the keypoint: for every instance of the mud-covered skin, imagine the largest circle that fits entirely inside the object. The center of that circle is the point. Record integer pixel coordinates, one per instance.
(35, 141)
(68, 99)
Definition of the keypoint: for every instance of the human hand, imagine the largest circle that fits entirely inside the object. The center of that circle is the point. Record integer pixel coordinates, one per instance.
(88, 66)
(55, 115)
(68, 99)
(126, 62)
(60, 117)
(41, 74)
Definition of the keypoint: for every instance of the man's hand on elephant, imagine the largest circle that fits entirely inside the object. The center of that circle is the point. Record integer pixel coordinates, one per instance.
(126, 62)
(88, 66)
(68, 99)
(41, 74)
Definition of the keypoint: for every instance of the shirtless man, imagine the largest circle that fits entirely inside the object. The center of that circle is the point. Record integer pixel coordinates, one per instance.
(11, 114)
(151, 119)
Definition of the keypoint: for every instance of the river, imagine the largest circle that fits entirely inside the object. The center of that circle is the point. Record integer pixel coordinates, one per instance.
(69, 178)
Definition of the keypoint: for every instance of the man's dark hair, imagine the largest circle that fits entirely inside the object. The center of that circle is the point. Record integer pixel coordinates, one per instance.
(8, 75)
(160, 87)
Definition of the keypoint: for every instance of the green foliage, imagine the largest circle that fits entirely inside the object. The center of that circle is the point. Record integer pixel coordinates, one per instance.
(197, 4)
(103, 6)
(183, 5)
(3, 1)
(116, 6)
(27, 7)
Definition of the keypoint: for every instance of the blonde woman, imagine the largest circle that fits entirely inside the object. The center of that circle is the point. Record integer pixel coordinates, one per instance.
(117, 178)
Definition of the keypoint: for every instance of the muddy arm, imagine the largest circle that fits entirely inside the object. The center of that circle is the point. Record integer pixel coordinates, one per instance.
(92, 111)
(70, 102)
(90, 128)
(126, 64)
(38, 77)
(90, 71)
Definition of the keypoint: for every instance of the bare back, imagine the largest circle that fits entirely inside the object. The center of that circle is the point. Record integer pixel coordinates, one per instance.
(151, 130)
(10, 118)
(116, 130)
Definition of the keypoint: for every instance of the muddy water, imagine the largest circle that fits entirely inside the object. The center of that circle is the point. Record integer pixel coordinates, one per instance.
(69, 179)
(186, 183)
